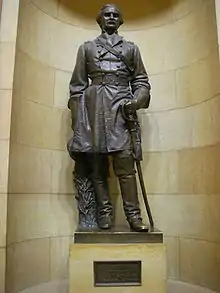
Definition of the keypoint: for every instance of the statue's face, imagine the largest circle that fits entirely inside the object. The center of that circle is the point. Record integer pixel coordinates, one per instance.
(110, 19)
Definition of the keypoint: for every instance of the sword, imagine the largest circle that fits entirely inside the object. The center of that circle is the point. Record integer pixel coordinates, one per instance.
(133, 125)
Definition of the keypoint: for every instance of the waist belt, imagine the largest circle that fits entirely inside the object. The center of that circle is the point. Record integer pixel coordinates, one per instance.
(109, 79)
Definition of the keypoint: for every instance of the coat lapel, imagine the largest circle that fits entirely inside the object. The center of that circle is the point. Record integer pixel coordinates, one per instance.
(101, 49)
(116, 40)
(103, 40)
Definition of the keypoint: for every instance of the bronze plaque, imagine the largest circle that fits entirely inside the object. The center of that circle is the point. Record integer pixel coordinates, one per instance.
(117, 273)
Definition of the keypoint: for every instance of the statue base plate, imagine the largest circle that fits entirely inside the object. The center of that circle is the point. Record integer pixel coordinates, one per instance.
(117, 261)
(121, 234)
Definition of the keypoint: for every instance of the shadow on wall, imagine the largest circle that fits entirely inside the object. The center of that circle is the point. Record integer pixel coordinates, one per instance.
(132, 10)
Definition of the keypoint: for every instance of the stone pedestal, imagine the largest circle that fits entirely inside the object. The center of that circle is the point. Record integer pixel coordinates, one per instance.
(117, 261)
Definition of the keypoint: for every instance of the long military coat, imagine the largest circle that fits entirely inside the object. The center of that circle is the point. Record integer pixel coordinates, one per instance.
(98, 123)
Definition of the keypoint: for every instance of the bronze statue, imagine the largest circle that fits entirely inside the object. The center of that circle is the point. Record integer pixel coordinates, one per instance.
(109, 79)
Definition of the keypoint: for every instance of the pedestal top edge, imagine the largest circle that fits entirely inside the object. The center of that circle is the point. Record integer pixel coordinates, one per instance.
(117, 235)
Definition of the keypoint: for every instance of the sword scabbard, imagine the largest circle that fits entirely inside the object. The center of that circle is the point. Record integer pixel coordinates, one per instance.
(144, 193)
(132, 125)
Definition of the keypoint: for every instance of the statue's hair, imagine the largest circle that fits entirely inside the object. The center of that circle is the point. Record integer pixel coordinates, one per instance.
(98, 18)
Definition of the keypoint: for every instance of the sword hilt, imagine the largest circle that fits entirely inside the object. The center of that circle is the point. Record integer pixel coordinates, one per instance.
(129, 117)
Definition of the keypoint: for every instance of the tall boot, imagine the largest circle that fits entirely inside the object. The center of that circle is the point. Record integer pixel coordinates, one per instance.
(128, 186)
(99, 178)
(124, 169)
(104, 205)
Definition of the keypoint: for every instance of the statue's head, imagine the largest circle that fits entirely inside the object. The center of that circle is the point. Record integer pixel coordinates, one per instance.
(109, 18)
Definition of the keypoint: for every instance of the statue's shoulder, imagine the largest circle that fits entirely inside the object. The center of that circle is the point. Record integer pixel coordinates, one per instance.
(129, 43)
(85, 46)
(87, 43)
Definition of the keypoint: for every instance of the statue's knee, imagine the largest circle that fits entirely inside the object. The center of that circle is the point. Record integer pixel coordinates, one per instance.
(123, 164)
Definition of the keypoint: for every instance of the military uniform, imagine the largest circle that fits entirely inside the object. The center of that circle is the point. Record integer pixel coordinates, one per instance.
(101, 82)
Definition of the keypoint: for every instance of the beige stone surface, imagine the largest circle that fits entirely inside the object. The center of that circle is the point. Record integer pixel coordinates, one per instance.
(172, 254)
(36, 83)
(4, 160)
(182, 8)
(50, 6)
(192, 216)
(40, 126)
(9, 16)
(199, 263)
(52, 42)
(169, 130)
(31, 217)
(188, 171)
(217, 11)
(2, 269)
(161, 172)
(61, 89)
(61, 129)
(3, 219)
(62, 173)
(152, 256)
(190, 86)
(206, 125)
(197, 32)
(35, 32)
(7, 52)
(28, 264)
(198, 170)
(163, 92)
(194, 35)
(64, 213)
(30, 169)
(5, 113)
(8, 32)
(55, 286)
(59, 257)
(40, 215)
(181, 128)
(33, 124)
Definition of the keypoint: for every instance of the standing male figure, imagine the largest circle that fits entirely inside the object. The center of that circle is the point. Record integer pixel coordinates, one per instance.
(109, 73)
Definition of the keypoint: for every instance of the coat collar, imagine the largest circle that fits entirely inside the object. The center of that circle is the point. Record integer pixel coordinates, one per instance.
(116, 39)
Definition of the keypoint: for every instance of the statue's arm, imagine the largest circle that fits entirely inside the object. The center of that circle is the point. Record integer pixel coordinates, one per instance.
(79, 81)
(140, 82)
